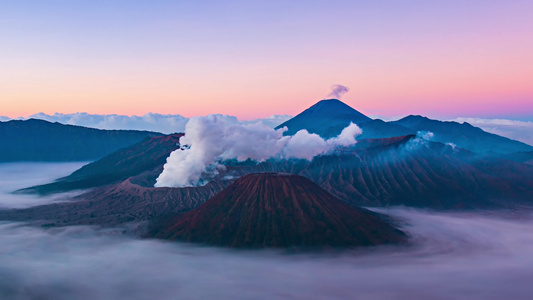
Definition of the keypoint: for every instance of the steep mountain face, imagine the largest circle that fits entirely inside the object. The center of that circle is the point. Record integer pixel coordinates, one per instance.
(278, 210)
(435, 177)
(38, 140)
(464, 135)
(326, 118)
(118, 166)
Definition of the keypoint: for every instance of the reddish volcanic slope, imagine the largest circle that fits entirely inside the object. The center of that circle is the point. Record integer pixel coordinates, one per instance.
(278, 210)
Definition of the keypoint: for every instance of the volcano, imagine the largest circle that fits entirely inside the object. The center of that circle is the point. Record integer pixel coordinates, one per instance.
(326, 118)
(264, 210)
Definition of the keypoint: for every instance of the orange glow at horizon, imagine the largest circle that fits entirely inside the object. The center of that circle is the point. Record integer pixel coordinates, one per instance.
(430, 59)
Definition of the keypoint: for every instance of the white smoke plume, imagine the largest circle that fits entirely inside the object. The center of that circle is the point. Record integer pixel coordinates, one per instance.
(421, 140)
(337, 91)
(209, 140)
(452, 145)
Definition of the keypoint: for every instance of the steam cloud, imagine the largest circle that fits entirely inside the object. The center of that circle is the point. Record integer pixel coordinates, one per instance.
(421, 140)
(209, 140)
(337, 91)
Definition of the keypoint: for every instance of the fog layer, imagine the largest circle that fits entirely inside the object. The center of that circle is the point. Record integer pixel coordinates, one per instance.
(452, 256)
(15, 176)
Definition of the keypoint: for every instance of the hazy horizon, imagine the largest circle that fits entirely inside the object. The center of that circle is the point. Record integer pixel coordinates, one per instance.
(167, 123)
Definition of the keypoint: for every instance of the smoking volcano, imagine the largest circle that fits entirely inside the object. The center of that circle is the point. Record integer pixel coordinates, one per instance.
(278, 210)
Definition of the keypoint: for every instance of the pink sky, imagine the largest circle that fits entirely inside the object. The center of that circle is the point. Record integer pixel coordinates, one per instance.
(440, 60)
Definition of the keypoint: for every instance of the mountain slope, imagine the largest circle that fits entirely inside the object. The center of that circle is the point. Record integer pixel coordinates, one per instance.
(118, 166)
(278, 210)
(463, 135)
(326, 118)
(379, 172)
(379, 129)
(38, 140)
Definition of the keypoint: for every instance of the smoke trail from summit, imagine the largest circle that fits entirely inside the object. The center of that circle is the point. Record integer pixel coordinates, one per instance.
(337, 91)
(209, 140)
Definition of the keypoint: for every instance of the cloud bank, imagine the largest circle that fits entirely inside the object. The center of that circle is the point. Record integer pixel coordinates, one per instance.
(452, 256)
(14, 176)
(516, 130)
(151, 121)
(209, 140)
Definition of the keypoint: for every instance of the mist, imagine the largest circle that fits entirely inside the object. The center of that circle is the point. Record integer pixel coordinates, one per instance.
(452, 256)
(15, 176)
(475, 255)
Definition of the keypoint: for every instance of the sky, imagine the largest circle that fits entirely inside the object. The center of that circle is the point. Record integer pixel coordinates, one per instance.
(253, 59)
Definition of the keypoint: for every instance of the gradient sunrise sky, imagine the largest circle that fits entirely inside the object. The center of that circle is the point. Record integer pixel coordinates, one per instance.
(252, 59)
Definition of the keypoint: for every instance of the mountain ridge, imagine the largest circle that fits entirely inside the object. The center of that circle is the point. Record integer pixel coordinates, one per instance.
(463, 135)
(39, 140)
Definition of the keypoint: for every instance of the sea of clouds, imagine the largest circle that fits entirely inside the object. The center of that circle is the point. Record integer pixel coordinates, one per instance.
(474, 255)
(15, 176)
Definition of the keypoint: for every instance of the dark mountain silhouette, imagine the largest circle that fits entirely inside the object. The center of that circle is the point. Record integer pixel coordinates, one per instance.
(278, 210)
(38, 140)
(326, 118)
(463, 135)
(118, 166)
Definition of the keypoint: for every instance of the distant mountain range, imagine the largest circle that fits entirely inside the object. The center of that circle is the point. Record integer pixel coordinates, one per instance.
(38, 140)
(463, 135)
(327, 118)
